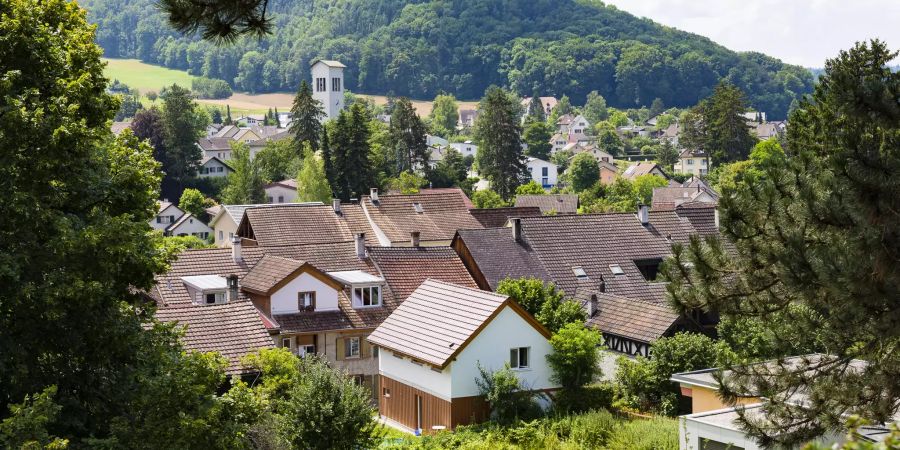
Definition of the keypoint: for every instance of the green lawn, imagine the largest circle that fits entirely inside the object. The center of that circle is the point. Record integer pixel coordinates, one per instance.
(144, 77)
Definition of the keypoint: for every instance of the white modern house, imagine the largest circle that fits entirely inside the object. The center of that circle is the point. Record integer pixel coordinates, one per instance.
(188, 225)
(225, 223)
(465, 148)
(284, 191)
(168, 214)
(328, 86)
(542, 172)
(430, 348)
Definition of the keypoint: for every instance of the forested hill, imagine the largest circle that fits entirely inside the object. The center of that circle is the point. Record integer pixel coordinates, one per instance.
(422, 47)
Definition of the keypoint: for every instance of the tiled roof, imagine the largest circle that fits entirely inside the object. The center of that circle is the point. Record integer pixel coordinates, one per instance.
(638, 320)
(594, 242)
(405, 268)
(268, 272)
(436, 321)
(671, 196)
(692, 153)
(497, 217)
(290, 183)
(299, 224)
(561, 203)
(329, 63)
(639, 169)
(701, 215)
(441, 215)
(215, 143)
(455, 190)
(499, 256)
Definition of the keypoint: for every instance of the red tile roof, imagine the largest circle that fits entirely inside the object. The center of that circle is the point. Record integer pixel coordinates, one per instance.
(405, 268)
(497, 217)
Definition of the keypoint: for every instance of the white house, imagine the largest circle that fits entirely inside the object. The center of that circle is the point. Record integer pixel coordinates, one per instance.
(328, 86)
(188, 225)
(430, 347)
(284, 191)
(542, 172)
(694, 162)
(567, 124)
(212, 166)
(465, 148)
(167, 215)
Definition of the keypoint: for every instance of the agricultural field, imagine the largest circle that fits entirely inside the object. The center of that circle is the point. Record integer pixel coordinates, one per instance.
(147, 77)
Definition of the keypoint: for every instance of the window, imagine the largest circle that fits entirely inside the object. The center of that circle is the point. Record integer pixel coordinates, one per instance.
(418, 208)
(306, 301)
(616, 269)
(579, 272)
(320, 85)
(649, 268)
(220, 169)
(702, 162)
(230, 236)
(280, 199)
(709, 444)
(270, 199)
(518, 358)
(690, 162)
(336, 84)
(386, 392)
(221, 235)
(351, 347)
(213, 298)
(544, 171)
(367, 295)
(287, 343)
(305, 350)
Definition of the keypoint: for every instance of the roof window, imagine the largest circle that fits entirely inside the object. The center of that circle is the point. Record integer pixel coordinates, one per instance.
(616, 269)
(418, 208)
(579, 273)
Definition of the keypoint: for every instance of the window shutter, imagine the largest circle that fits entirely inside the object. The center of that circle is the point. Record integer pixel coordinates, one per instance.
(312, 300)
(364, 348)
(514, 357)
(341, 349)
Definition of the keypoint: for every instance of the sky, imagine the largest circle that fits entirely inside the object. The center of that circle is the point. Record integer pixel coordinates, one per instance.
(802, 32)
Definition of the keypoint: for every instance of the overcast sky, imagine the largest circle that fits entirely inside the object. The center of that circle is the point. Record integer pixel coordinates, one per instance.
(804, 32)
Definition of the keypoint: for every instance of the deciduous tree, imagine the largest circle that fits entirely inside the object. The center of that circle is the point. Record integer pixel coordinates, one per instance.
(444, 115)
(245, 184)
(583, 171)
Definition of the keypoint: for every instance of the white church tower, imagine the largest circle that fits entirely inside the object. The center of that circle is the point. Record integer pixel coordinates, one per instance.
(328, 86)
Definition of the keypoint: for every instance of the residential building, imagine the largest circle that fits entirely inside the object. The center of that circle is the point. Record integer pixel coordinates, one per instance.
(167, 215)
(608, 172)
(213, 166)
(304, 224)
(569, 124)
(435, 215)
(284, 191)
(768, 130)
(694, 162)
(225, 223)
(467, 117)
(328, 86)
(671, 197)
(435, 141)
(466, 148)
(645, 168)
(594, 150)
(542, 172)
(671, 134)
(188, 225)
(498, 217)
(550, 203)
(547, 102)
(614, 257)
(431, 346)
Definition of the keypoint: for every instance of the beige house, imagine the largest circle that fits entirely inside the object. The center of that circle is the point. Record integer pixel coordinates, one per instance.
(225, 223)
(694, 162)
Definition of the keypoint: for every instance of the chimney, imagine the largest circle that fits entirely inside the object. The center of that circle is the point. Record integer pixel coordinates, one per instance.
(336, 205)
(716, 217)
(516, 228)
(361, 245)
(236, 249)
(592, 306)
(232, 288)
(414, 237)
(373, 194)
(643, 214)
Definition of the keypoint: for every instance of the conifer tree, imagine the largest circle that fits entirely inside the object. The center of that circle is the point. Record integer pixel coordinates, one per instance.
(407, 133)
(499, 135)
(306, 118)
(536, 108)
(350, 157)
(814, 256)
(182, 126)
(327, 157)
(228, 120)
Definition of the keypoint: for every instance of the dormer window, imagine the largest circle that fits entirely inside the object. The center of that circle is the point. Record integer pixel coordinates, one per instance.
(207, 289)
(418, 208)
(215, 298)
(367, 296)
(306, 301)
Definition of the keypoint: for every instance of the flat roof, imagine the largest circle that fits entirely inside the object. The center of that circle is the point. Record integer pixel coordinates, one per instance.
(355, 277)
(205, 282)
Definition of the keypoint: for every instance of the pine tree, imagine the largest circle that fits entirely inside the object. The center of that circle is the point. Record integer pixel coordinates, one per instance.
(444, 115)
(407, 133)
(814, 256)
(666, 155)
(228, 119)
(327, 157)
(498, 132)
(717, 125)
(306, 118)
(536, 111)
(275, 116)
(350, 146)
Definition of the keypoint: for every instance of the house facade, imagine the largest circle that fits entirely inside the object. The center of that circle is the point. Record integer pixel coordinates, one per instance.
(328, 86)
(466, 148)
(188, 225)
(542, 172)
(213, 166)
(430, 348)
(167, 215)
(284, 191)
(694, 162)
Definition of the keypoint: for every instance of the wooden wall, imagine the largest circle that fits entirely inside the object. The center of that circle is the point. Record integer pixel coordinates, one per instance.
(401, 405)
(468, 410)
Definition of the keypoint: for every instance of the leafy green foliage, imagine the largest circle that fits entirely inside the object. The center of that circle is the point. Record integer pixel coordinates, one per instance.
(26, 427)
(498, 133)
(576, 356)
(666, 155)
(543, 301)
(278, 160)
(194, 202)
(312, 185)
(450, 171)
(245, 184)
(653, 434)
(407, 183)
(810, 231)
(644, 383)
(182, 124)
(487, 199)
(444, 115)
(530, 188)
(349, 149)
(509, 400)
(204, 87)
(594, 109)
(130, 105)
(717, 126)
(583, 171)
(537, 136)
(407, 133)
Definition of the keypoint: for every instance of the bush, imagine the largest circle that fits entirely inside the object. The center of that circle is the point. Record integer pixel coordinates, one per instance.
(589, 430)
(509, 401)
(653, 434)
(588, 398)
(575, 357)
(210, 88)
(487, 199)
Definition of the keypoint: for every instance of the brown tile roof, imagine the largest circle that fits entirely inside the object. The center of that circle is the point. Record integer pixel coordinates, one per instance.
(457, 191)
(671, 196)
(238, 328)
(636, 170)
(436, 321)
(215, 143)
(346, 318)
(268, 272)
(497, 217)
(498, 256)
(300, 224)
(290, 183)
(638, 320)
(405, 268)
(442, 214)
(701, 215)
(561, 203)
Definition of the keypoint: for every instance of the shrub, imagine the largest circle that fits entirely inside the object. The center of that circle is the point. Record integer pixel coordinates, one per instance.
(575, 357)
(653, 434)
(509, 401)
(487, 199)
(588, 398)
(210, 88)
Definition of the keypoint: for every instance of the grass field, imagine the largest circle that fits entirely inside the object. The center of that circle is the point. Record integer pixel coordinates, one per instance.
(147, 77)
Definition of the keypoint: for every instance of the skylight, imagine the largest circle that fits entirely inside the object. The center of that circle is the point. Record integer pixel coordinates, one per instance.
(616, 269)
(579, 272)
(418, 208)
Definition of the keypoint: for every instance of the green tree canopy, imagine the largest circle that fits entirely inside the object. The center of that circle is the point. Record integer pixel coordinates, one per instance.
(487, 198)
(812, 230)
(194, 202)
(583, 171)
(407, 133)
(444, 115)
(312, 185)
(666, 155)
(245, 184)
(449, 171)
(576, 356)
(182, 124)
(306, 119)
(498, 133)
(595, 108)
(278, 160)
(537, 136)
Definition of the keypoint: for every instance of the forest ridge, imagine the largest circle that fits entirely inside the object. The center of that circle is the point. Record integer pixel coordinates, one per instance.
(421, 48)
